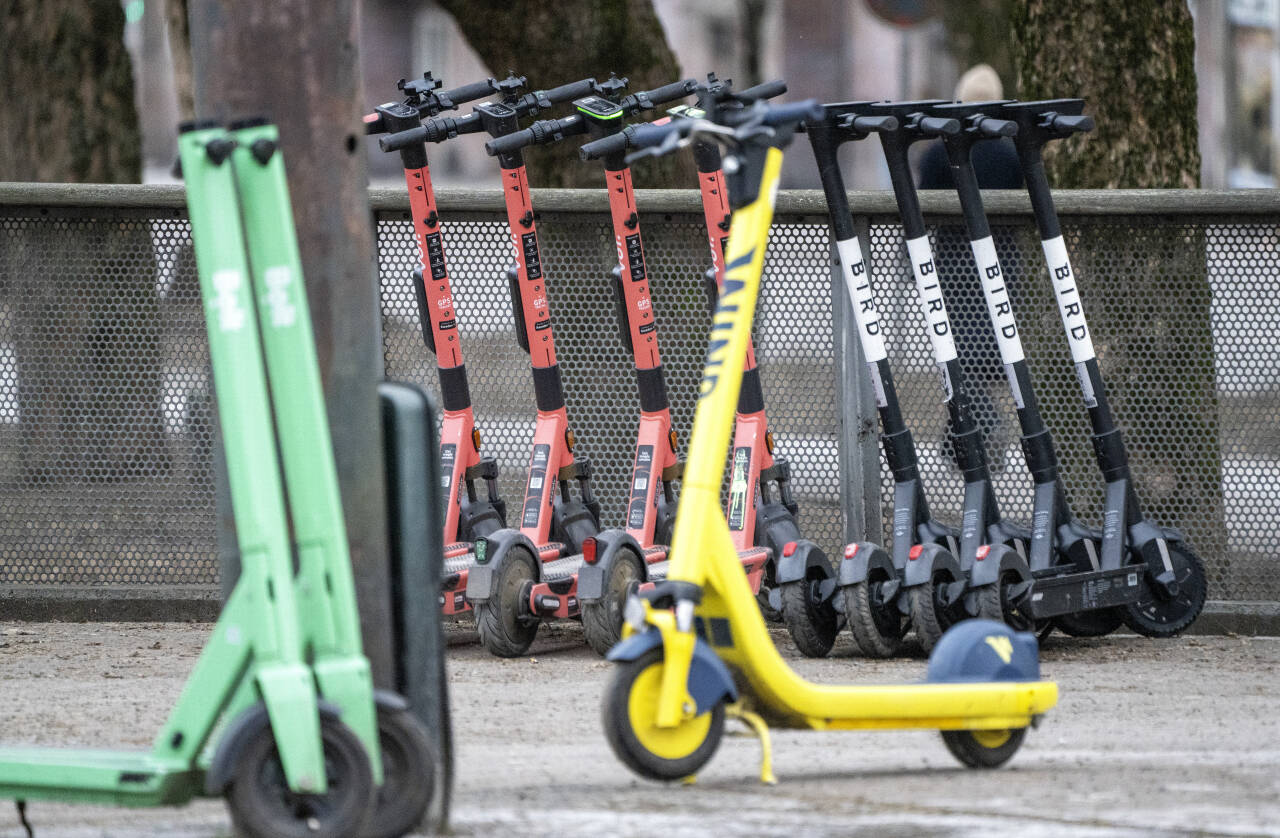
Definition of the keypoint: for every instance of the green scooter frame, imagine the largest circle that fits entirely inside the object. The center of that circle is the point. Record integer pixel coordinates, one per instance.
(249, 709)
(330, 619)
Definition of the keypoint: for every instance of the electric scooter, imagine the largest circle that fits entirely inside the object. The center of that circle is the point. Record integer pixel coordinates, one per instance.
(1174, 589)
(1058, 538)
(396, 741)
(763, 515)
(248, 724)
(519, 577)
(619, 559)
(467, 516)
(697, 648)
(935, 574)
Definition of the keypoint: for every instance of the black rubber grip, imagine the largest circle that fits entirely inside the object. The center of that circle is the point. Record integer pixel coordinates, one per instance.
(809, 109)
(868, 124)
(469, 92)
(510, 142)
(403, 139)
(991, 127)
(571, 91)
(603, 147)
(937, 126)
(668, 92)
(1072, 124)
(647, 135)
(765, 90)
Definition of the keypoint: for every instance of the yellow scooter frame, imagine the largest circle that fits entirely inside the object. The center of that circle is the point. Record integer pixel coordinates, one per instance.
(664, 712)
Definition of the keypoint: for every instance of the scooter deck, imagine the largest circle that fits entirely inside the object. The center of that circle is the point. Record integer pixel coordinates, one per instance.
(127, 778)
(1072, 593)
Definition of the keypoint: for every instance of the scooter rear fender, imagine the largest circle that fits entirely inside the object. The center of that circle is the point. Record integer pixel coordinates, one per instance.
(932, 556)
(866, 557)
(1000, 559)
(709, 678)
(496, 548)
(608, 545)
(796, 567)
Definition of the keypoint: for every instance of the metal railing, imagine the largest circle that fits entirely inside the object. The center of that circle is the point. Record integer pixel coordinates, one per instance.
(107, 485)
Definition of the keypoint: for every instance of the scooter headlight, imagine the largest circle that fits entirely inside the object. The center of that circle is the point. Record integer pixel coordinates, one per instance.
(633, 613)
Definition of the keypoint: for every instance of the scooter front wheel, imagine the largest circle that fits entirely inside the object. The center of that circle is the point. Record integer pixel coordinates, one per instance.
(1155, 616)
(502, 622)
(877, 626)
(263, 806)
(629, 713)
(408, 774)
(928, 610)
(984, 748)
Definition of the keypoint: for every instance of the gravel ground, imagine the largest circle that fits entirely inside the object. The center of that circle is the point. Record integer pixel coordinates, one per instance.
(1176, 737)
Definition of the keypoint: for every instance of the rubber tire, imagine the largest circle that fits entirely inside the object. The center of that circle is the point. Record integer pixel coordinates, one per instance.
(602, 619)
(973, 754)
(994, 605)
(767, 584)
(928, 617)
(1097, 623)
(262, 806)
(869, 632)
(500, 621)
(812, 626)
(408, 775)
(626, 745)
(1189, 570)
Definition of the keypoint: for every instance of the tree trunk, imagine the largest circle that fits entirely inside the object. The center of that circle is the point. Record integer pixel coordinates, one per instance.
(570, 40)
(86, 335)
(1134, 61)
(1137, 75)
(175, 12)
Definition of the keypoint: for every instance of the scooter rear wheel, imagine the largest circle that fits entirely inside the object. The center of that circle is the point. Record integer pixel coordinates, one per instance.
(877, 627)
(984, 748)
(602, 619)
(263, 806)
(811, 622)
(928, 611)
(994, 603)
(408, 775)
(501, 621)
(1158, 617)
(630, 707)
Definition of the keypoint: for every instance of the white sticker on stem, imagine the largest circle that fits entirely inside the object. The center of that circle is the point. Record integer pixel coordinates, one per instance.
(998, 305)
(1064, 289)
(931, 301)
(854, 268)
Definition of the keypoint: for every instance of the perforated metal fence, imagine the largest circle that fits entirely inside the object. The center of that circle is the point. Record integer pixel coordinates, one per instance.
(106, 476)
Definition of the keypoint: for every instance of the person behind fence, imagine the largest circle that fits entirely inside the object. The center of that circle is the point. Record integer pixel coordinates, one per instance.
(996, 165)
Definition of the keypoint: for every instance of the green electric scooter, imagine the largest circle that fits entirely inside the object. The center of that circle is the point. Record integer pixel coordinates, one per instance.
(248, 724)
(397, 743)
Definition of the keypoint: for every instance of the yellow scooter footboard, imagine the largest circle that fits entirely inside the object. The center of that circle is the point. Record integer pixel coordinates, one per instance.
(980, 706)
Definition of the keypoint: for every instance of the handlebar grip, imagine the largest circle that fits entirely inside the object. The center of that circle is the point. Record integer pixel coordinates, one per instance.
(603, 147)
(648, 134)
(403, 139)
(937, 126)
(669, 92)
(809, 109)
(868, 124)
(569, 92)
(764, 90)
(991, 127)
(1071, 124)
(469, 92)
(511, 142)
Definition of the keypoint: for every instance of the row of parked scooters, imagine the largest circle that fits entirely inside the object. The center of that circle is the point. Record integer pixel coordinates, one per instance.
(556, 561)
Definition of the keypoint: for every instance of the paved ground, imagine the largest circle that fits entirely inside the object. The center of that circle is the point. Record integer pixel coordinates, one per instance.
(1151, 738)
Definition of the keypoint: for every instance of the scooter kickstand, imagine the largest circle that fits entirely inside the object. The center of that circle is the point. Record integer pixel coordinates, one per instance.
(760, 730)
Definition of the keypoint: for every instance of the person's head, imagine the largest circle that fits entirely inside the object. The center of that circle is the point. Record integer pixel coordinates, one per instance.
(979, 84)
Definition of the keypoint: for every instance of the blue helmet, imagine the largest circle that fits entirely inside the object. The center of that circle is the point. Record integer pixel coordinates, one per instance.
(984, 650)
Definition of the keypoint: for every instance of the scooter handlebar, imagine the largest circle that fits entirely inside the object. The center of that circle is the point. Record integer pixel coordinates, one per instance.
(666, 93)
(434, 131)
(936, 126)
(568, 92)
(868, 124)
(1071, 124)
(795, 112)
(470, 92)
(539, 133)
(605, 146)
(989, 126)
(764, 90)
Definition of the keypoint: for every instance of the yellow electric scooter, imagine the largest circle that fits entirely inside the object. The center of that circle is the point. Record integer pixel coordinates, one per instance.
(695, 647)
